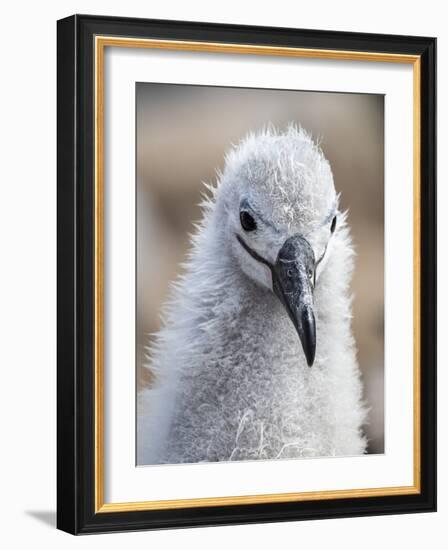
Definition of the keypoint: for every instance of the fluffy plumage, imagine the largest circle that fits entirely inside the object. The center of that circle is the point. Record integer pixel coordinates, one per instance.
(232, 381)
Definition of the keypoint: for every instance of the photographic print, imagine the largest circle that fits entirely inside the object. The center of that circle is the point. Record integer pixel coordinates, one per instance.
(260, 284)
(246, 274)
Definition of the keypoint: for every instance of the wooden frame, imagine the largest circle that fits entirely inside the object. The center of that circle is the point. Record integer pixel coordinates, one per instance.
(81, 43)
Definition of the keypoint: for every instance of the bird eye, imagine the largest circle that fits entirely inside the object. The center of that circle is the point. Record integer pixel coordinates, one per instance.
(333, 225)
(247, 221)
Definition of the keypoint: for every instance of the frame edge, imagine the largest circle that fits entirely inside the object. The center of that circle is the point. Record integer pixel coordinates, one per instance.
(66, 516)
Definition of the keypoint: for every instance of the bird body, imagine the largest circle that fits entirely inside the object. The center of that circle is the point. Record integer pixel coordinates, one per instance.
(233, 381)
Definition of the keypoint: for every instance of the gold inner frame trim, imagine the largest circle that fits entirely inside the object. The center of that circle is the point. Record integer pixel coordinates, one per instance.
(101, 42)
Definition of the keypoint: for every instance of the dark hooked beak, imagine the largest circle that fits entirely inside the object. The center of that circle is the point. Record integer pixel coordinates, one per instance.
(292, 281)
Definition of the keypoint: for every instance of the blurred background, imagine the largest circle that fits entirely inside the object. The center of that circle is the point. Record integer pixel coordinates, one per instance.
(183, 133)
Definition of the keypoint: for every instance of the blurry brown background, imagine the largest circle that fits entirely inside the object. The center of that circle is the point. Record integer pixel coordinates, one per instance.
(183, 133)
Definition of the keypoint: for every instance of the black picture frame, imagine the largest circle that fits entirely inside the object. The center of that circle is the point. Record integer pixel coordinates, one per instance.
(76, 511)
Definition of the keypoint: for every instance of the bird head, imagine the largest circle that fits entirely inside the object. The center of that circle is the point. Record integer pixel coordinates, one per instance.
(281, 216)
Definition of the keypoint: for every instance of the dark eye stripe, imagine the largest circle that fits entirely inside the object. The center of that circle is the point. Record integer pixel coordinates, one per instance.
(321, 258)
(253, 253)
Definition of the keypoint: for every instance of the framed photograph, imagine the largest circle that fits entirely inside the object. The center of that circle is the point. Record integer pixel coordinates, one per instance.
(246, 274)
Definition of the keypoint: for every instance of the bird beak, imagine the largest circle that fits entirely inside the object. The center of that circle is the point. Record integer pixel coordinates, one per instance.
(292, 282)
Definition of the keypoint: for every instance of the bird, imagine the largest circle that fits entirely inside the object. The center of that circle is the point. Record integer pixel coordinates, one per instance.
(256, 359)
